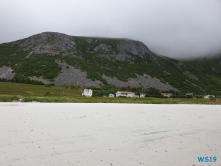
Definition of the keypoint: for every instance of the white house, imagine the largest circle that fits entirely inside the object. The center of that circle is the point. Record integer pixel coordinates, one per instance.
(125, 94)
(87, 93)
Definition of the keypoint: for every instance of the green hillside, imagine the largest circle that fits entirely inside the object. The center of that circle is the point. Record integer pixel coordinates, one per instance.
(41, 55)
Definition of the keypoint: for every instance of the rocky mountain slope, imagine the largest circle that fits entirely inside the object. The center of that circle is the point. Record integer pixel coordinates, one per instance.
(57, 58)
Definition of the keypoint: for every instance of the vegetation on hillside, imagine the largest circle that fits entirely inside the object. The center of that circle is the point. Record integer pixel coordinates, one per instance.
(25, 66)
(167, 70)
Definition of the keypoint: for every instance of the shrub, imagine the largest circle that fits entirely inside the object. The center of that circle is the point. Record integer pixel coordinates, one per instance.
(47, 93)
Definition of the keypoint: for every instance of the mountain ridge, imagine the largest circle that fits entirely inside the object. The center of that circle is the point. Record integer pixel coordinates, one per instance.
(52, 57)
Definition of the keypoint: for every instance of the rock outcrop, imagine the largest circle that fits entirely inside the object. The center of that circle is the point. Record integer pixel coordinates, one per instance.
(49, 43)
(141, 81)
(135, 48)
(116, 57)
(71, 76)
(6, 72)
(53, 43)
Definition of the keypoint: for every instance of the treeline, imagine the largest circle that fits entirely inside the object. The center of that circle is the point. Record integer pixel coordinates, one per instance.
(23, 80)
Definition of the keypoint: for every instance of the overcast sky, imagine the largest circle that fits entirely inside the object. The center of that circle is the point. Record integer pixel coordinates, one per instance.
(174, 28)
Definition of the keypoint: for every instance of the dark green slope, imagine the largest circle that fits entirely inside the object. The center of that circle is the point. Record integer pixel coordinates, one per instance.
(209, 72)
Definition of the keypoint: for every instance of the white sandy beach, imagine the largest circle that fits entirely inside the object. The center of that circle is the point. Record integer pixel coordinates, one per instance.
(37, 134)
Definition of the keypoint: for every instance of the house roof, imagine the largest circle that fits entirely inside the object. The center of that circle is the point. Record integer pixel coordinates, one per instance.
(128, 92)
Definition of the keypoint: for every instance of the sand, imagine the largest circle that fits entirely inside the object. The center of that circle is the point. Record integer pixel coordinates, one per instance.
(37, 134)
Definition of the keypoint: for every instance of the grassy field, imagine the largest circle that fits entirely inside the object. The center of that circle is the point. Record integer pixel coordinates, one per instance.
(42, 93)
(28, 90)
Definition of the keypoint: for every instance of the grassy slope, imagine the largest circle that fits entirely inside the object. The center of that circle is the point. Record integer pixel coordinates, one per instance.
(209, 72)
(41, 93)
(28, 90)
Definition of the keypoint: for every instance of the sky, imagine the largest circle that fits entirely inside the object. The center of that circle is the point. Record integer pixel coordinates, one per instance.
(178, 29)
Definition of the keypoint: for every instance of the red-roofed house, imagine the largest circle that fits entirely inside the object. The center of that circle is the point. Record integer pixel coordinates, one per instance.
(125, 94)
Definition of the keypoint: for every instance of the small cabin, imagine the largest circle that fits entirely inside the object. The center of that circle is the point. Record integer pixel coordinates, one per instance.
(87, 93)
(208, 96)
(111, 95)
(191, 95)
(142, 94)
(167, 94)
(124, 94)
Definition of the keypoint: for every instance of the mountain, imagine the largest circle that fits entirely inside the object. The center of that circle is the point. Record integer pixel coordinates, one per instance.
(61, 59)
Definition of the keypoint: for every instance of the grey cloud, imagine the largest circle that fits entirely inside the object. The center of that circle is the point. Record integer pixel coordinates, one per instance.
(174, 28)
